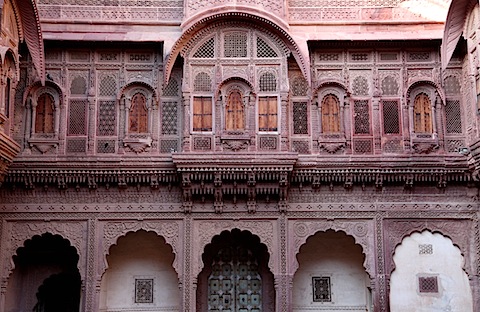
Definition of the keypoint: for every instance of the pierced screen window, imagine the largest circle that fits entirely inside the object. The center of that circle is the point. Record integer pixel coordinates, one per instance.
(44, 122)
(267, 113)
(453, 116)
(235, 45)
(330, 114)
(391, 120)
(202, 113)
(428, 284)
(422, 114)
(268, 82)
(322, 291)
(77, 117)
(143, 290)
(300, 118)
(234, 112)
(361, 117)
(137, 120)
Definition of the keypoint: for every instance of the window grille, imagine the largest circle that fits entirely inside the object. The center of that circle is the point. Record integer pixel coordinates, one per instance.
(360, 86)
(44, 119)
(143, 290)
(106, 118)
(137, 119)
(202, 82)
(264, 50)
(393, 146)
(105, 146)
(425, 249)
(419, 56)
(267, 113)
(428, 284)
(389, 86)
(359, 57)
(322, 291)
(391, 118)
(452, 87)
(171, 89)
(361, 116)
(234, 115)
(202, 144)
(299, 86)
(108, 86)
(77, 117)
(388, 56)
(202, 113)
(328, 57)
(453, 116)
(454, 146)
(330, 114)
(300, 118)
(76, 145)
(422, 114)
(206, 50)
(268, 82)
(363, 146)
(268, 143)
(78, 86)
(235, 45)
(169, 118)
(168, 146)
(301, 146)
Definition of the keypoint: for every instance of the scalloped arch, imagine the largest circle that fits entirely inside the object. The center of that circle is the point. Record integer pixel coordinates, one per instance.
(134, 84)
(330, 83)
(38, 84)
(421, 82)
(202, 21)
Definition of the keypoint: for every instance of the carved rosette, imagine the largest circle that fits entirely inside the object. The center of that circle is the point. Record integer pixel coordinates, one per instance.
(459, 231)
(206, 230)
(362, 231)
(169, 230)
(74, 232)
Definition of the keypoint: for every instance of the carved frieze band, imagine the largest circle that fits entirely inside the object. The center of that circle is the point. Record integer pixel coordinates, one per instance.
(204, 231)
(361, 230)
(168, 229)
(459, 231)
(75, 232)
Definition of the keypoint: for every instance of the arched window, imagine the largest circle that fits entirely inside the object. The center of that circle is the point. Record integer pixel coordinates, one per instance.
(422, 111)
(234, 119)
(330, 114)
(138, 116)
(44, 118)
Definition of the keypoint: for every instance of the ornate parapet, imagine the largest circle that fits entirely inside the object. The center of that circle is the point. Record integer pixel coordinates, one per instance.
(8, 150)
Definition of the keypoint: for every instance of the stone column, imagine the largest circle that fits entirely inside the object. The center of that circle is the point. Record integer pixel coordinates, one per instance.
(284, 122)
(91, 285)
(376, 120)
(186, 122)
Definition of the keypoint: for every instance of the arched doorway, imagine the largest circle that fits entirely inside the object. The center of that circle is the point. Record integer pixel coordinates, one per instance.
(235, 276)
(46, 277)
(331, 276)
(429, 275)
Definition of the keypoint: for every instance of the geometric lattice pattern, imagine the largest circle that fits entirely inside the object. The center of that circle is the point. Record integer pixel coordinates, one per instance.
(452, 87)
(76, 145)
(171, 89)
(207, 50)
(77, 117)
(108, 86)
(78, 86)
(389, 86)
(300, 118)
(301, 146)
(425, 249)
(264, 50)
(105, 146)
(453, 116)
(168, 146)
(299, 86)
(169, 118)
(364, 146)
(391, 118)
(106, 118)
(202, 82)
(202, 144)
(428, 284)
(143, 290)
(322, 291)
(268, 143)
(235, 45)
(360, 86)
(268, 82)
(361, 115)
(392, 146)
(454, 146)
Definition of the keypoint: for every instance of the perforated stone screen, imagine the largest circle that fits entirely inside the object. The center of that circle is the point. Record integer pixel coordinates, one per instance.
(169, 118)
(77, 117)
(202, 82)
(206, 50)
(264, 50)
(235, 45)
(106, 118)
(428, 284)
(78, 86)
(268, 82)
(300, 118)
(321, 289)
(144, 290)
(78, 145)
(360, 86)
(105, 146)
(299, 86)
(361, 117)
(391, 120)
(108, 86)
(452, 86)
(453, 116)
(171, 89)
(363, 146)
(389, 86)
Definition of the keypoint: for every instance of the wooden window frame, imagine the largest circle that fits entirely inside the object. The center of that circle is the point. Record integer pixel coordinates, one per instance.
(203, 114)
(140, 117)
(270, 116)
(422, 124)
(328, 119)
(43, 116)
(235, 112)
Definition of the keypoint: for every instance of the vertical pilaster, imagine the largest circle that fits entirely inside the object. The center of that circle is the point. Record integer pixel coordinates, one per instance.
(91, 288)
(284, 145)
(377, 136)
(380, 299)
(189, 284)
(186, 123)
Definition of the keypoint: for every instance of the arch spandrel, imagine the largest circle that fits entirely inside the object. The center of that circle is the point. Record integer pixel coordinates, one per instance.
(170, 230)
(461, 236)
(204, 231)
(362, 231)
(75, 232)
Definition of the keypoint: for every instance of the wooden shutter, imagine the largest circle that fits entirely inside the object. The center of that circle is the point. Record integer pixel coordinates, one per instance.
(422, 114)
(234, 112)
(330, 114)
(44, 114)
(202, 114)
(138, 118)
(267, 113)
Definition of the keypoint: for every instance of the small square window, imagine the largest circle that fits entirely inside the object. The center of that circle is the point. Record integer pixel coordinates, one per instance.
(321, 289)
(143, 290)
(428, 284)
(425, 249)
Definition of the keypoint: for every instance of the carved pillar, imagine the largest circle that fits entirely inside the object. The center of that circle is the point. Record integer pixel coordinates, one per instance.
(377, 136)
(4, 275)
(439, 114)
(186, 122)
(91, 125)
(284, 122)
(122, 111)
(346, 116)
(190, 282)
(92, 286)
(315, 122)
(218, 122)
(380, 297)
(153, 110)
(407, 112)
(251, 119)
(284, 289)
(29, 124)
(62, 126)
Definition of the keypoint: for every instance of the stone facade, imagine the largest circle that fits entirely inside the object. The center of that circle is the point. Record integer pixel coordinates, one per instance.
(239, 155)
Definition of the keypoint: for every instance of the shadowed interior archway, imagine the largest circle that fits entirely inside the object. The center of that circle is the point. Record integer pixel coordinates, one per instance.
(235, 274)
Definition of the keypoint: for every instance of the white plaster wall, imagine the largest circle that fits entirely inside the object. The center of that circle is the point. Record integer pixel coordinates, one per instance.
(331, 254)
(140, 255)
(446, 262)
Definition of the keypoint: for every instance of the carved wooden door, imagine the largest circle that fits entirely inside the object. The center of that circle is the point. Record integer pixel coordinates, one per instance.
(235, 284)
